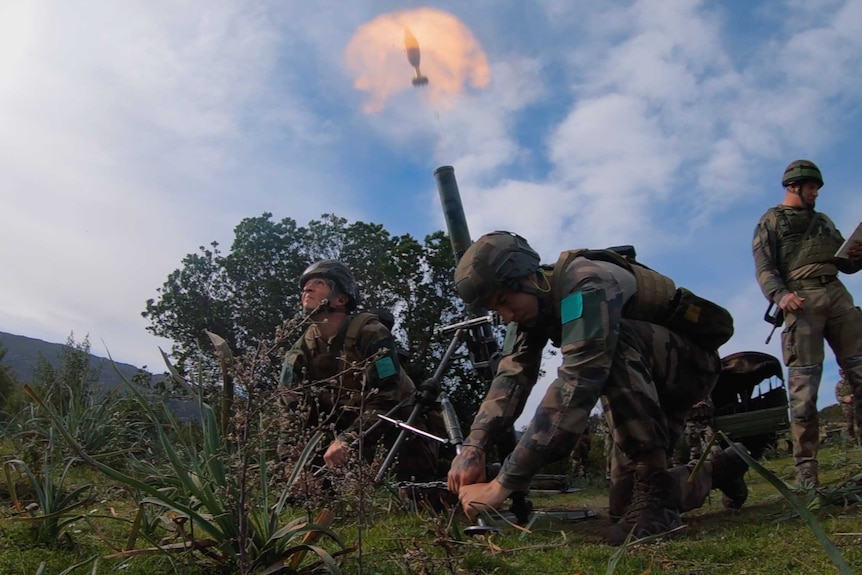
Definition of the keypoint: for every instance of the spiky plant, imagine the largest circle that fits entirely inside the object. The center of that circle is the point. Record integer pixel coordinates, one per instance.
(222, 501)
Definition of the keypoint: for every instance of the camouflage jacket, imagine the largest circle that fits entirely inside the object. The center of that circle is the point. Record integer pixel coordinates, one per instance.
(324, 373)
(773, 252)
(586, 331)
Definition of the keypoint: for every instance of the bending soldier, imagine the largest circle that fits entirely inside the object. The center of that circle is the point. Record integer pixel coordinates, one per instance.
(794, 255)
(600, 309)
(322, 368)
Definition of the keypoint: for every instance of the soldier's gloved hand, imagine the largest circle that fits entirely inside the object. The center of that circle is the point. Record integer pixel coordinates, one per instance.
(479, 495)
(467, 468)
(336, 454)
(791, 302)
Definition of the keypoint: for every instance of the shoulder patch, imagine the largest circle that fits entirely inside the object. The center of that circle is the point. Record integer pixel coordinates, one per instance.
(585, 317)
(572, 307)
(385, 367)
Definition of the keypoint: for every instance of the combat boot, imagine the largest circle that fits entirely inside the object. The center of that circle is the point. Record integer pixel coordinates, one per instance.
(651, 511)
(728, 475)
(806, 475)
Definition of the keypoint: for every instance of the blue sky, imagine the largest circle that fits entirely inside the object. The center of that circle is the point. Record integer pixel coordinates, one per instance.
(134, 132)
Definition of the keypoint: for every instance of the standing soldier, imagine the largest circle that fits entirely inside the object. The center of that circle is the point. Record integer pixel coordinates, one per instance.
(602, 310)
(794, 256)
(844, 396)
(322, 368)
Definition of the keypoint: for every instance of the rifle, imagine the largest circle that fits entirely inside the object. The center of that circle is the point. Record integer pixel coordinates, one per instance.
(776, 319)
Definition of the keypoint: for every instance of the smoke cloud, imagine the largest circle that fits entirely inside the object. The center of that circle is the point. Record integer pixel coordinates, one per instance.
(381, 54)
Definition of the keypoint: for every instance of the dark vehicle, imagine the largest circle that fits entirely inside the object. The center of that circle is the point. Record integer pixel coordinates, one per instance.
(750, 400)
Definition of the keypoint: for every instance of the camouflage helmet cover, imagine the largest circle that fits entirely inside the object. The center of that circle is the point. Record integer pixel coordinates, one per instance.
(496, 260)
(337, 273)
(799, 171)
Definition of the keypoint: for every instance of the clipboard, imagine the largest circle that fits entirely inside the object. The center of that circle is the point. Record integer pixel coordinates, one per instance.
(856, 236)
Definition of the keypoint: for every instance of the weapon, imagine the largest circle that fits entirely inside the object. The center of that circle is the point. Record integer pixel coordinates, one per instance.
(425, 397)
(479, 336)
(482, 345)
(401, 425)
(456, 438)
(776, 319)
(521, 511)
(476, 332)
(411, 47)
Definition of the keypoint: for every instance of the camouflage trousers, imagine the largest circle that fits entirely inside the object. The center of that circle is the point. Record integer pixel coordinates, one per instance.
(665, 374)
(828, 313)
(656, 377)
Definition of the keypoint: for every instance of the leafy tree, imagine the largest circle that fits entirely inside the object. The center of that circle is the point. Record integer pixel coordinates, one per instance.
(246, 294)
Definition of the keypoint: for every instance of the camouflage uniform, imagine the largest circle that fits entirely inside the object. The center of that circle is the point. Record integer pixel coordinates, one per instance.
(842, 390)
(698, 428)
(581, 455)
(321, 372)
(785, 263)
(608, 443)
(648, 375)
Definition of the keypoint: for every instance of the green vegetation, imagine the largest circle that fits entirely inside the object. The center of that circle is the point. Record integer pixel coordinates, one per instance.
(765, 537)
(132, 490)
(244, 295)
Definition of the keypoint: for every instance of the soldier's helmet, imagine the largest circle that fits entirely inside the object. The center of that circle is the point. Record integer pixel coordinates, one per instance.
(337, 273)
(799, 171)
(494, 261)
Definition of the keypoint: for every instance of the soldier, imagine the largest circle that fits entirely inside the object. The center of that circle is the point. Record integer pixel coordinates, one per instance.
(844, 396)
(581, 455)
(596, 306)
(321, 367)
(698, 427)
(794, 256)
(608, 441)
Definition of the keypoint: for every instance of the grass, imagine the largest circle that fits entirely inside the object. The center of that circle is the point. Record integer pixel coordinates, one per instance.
(765, 537)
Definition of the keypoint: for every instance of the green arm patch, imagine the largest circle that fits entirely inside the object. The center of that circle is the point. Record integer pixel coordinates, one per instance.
(584, 317)
(572, 307)
(385, 367)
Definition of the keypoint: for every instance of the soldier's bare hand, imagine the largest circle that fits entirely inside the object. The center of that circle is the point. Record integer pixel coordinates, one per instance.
(467, 468)
(791, 302)
(855, 251)
(336, 454)
(479, 495)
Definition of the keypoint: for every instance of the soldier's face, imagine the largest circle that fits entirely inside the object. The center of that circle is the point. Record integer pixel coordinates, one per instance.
(515, 306)
(314, 291)
(809, 191)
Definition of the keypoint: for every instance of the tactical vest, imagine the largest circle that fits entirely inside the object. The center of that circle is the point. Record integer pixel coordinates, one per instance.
(802, 241)
(657, 300)
(655, 291)
(325, 365)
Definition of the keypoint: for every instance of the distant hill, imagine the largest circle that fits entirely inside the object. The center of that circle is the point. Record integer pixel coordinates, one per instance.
(22, 356)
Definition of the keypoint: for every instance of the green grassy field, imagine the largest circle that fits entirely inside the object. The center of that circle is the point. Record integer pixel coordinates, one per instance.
(765, 537)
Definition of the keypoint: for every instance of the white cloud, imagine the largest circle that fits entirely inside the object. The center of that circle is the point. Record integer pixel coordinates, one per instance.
(131, 133)
(124, 140)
